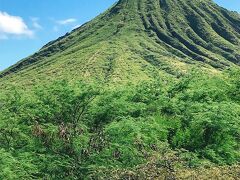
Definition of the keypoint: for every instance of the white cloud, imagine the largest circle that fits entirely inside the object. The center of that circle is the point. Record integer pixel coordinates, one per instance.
(67, 21)
(13, 25)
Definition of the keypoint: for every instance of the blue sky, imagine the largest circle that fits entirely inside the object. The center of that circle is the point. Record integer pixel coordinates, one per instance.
(26, 25)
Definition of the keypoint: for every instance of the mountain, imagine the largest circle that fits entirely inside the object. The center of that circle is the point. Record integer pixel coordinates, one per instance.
(138, 40)
(150, 89)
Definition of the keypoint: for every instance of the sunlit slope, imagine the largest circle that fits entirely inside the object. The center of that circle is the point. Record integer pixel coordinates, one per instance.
(138, 40)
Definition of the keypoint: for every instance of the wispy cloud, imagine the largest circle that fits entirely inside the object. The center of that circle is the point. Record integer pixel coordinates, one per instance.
(35, 23)
(13, 25)
(67, 21)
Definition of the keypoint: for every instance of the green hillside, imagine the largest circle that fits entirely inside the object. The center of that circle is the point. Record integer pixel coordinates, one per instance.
(136, 40)
(150, 89)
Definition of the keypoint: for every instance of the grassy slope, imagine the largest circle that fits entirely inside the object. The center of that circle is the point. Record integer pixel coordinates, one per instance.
(137, 40)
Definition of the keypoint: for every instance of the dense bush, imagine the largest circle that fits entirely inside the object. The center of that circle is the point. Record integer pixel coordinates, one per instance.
(65, 130)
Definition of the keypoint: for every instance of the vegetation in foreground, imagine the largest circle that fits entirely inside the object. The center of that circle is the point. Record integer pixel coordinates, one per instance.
(180, 129)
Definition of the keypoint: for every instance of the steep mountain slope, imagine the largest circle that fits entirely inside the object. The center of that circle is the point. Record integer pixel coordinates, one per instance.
(136, 40)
